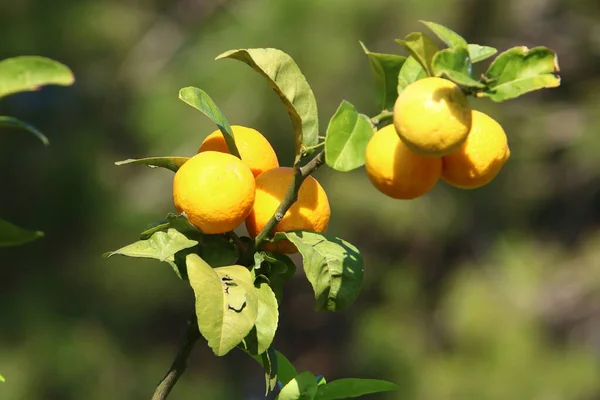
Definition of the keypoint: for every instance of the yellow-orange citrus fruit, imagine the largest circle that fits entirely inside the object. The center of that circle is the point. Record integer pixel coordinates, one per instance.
(432, 116)
(310, 212)
(480, 158)
(254, 148)
(395, 170)
(215, 190)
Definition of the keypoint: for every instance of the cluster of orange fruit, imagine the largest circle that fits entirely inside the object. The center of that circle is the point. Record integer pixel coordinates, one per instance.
(218, 191)
(435, 135)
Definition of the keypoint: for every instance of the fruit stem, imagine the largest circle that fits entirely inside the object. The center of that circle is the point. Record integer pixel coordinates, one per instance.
(300, 174)
(382, 116)
(180, 363)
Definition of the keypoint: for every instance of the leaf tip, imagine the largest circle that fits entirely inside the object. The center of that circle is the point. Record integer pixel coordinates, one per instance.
(364, 48)
(226, 54)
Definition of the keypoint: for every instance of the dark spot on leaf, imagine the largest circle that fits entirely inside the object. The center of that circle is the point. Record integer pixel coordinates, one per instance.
(237, 310)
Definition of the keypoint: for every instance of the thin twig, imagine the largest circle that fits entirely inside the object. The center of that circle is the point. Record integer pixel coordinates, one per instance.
(382, 116)
(180, 363)
(300, 174)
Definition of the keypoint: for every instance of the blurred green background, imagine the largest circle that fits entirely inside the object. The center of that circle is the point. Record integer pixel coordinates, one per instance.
(484, 295)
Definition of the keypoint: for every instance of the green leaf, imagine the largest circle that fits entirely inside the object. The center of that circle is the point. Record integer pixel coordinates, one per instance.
(10, 122)
(422, 48)
(285, 78)
(226, 303)
(267, 318)
(286, 370)
(2, 379)
(12, 235)
(202, 102)
(171, 163)
(162, 246)
(386, 68)
(410, 72)
(479, 53)
(29, 73)
(218, 251)
(278, 268)
(454, 64)
(333, 267)
(521, 70)
(347, 137)
(446, 35)
(452, 39)
(302, 387)
(352, 387)
(269, 363)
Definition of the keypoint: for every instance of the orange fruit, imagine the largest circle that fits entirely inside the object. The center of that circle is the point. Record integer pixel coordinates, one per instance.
(395, 170)
(432, 116)
(310, 212)
(215, 191)
(480, 158)
(255, 150)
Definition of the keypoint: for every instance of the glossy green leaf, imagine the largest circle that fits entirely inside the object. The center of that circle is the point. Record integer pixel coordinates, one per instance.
(226, 303)
(161, 245)
(410, 72)
(202, 102)
(333, 267)
(386, 68)
(29, 73)
(446, 35)
(347, 137)
(286, 79)
(352, 387)
(455, 65)
(280, 269)
(218, 251)
(302, 387)
(521, 70)
(479, 53)
(422, 48)
(268, 360)
(267, 318)
(171, 163)
(10, 122)
(12, 235)
(286, 370)
(261, 337)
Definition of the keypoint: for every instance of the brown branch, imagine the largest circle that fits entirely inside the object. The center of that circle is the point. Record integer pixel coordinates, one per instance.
(180, 363)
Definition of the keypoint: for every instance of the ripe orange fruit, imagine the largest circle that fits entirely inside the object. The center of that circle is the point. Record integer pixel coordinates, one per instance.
(481, 156)
(310, 212)
(395, 170)
(215, 191)
(432, 116)
(254, 148)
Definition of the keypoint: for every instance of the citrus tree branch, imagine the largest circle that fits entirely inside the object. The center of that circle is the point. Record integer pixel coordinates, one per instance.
(382, 116)
(300, 174)
(180, 363)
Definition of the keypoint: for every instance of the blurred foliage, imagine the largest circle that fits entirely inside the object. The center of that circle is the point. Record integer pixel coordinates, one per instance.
(486, 294)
